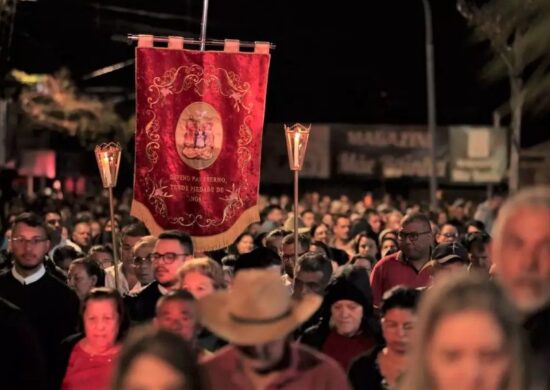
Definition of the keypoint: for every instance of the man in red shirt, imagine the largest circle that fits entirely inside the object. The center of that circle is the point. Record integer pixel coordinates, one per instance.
(257, 317)
(410, 266)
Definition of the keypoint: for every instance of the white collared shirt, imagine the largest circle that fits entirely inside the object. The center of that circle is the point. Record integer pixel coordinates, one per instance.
(123, 287)
(163, 290)
(29, 279)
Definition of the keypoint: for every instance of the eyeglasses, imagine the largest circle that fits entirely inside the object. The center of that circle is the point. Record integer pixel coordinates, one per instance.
(413, 236)
(20, 241)
(138, 260)
(168, 258)
(449, 235)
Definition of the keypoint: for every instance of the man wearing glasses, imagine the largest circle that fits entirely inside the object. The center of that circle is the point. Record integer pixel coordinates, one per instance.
(447, 235)
(50, 306)
(172, 249)
(289, 261)
(129, 236)
(411, 265)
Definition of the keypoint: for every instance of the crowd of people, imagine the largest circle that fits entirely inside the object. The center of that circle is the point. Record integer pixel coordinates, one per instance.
(383, 295)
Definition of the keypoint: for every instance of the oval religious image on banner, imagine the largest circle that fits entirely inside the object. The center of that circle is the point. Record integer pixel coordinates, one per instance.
(199, 135)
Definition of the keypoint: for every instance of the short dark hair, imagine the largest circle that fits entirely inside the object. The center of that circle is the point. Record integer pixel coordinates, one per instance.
(92, 268)
(65, 252)
(303, 239)
(268, 209)
(136, 229)
(369, 258)
(324, 247)
(477, 224)
(170, 348)
(79, 221)
(307, 211)
(183, 238)
(399, 297)
(476, 238)
(369, 212)
(314, 262)
(107, 248)
(30, 219)
(104, 293)
(258, 258)
(416, 217)
(339, 216)
(175, 296)
(51, 210)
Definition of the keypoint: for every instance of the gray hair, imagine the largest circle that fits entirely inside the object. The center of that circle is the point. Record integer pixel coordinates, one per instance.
(529, 197)
(144, 242)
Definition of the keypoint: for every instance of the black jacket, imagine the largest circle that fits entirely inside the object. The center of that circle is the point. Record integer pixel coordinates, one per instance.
(142, 307)
(51, 308)
(22, 363)
(537, 328)
(364, 372)
(351, 284)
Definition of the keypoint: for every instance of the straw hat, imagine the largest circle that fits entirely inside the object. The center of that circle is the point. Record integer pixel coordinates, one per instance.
(258, 309)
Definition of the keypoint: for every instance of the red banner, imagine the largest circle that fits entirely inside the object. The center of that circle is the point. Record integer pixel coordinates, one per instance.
(198, 142)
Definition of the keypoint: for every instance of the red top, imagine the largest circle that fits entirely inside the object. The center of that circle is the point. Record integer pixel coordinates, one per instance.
(88, 372)
(308, 369)
(344, 349)
(394, 270)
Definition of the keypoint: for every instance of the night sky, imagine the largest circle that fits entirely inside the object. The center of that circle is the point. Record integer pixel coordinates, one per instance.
(344, 61)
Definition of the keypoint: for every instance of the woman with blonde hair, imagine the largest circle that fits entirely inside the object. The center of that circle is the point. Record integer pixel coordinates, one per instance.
(467, 338)
(143, 266)
(201, 277)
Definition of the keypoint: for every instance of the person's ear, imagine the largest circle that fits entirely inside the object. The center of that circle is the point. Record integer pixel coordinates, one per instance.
(94, 280)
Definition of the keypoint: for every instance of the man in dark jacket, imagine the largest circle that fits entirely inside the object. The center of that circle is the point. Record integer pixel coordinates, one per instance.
(50, 306)
(172, 249)
(22, 365)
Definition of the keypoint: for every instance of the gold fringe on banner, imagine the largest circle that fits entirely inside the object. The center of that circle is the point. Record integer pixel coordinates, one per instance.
(141, 212)
(201, 244)
(228, 237)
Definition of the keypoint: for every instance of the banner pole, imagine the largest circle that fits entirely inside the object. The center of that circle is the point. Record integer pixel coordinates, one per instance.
(113, 238)
(296, 179)
(203, 24)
